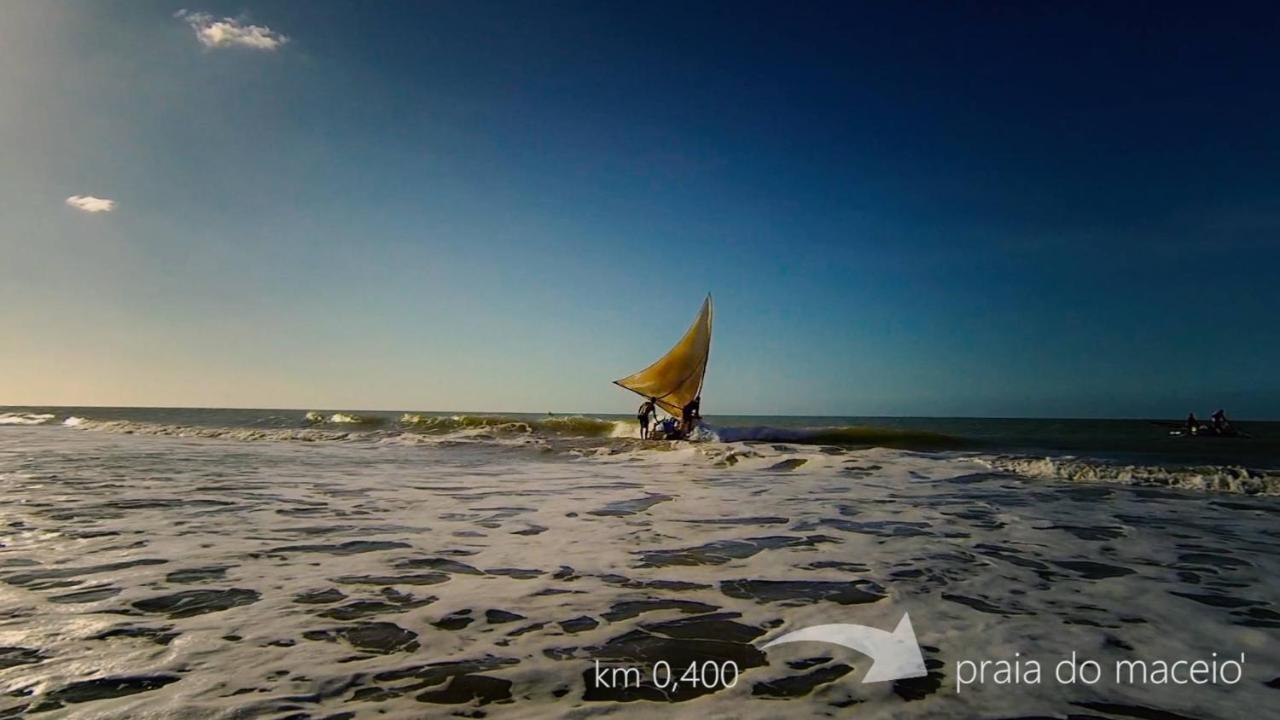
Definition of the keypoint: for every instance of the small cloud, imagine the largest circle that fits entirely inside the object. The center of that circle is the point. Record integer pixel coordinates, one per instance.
(230, 32)
(91, 204)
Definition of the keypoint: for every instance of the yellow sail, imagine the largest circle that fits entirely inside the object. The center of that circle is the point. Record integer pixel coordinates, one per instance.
(676, 378)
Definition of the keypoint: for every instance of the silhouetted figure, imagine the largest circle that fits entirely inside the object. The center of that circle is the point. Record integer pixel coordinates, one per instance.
(690, 414)
(1192, 424)
(648, 409)
(1219, 422)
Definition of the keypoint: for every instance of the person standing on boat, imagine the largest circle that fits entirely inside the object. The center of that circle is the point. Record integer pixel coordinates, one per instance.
(648, 409)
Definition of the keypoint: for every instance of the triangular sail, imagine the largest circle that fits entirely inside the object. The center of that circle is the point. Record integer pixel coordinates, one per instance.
(676, 378)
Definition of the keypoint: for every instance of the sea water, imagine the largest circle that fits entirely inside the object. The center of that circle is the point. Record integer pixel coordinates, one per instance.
(245, 563)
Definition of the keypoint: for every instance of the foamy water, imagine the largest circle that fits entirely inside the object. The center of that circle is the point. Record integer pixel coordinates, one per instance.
(1130, 453)
(168, 570)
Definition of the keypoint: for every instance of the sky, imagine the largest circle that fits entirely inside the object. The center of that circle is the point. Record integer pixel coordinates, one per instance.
(1017, 209)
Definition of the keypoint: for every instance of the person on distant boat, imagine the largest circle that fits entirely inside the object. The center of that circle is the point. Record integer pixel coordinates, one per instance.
(648, 409)
(690, 414)
(1192, 424)
(1220, 424)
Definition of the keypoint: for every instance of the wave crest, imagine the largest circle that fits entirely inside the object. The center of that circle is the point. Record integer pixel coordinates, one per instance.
(130, 427)
(565, 425)
(341, 418)
(25, 418)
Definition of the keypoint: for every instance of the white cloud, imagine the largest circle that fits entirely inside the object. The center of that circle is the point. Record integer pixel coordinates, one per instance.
(91, 204)
(230, 32)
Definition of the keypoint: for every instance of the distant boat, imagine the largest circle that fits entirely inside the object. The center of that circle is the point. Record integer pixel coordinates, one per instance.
(676, 378)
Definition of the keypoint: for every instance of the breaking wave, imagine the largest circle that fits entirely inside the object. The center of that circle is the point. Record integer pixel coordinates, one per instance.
(131, 427)
(564, 425)
(1213, 478)
(25, 418)
(600, 437)
(319, 426)
(342, 418)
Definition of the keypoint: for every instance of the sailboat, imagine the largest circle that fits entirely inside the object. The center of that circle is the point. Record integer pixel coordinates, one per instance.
(676, 378)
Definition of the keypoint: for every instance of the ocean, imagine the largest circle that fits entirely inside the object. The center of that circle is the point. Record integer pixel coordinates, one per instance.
(330, 563)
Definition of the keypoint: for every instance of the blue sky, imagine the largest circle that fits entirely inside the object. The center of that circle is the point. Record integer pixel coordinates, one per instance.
(1020, 210)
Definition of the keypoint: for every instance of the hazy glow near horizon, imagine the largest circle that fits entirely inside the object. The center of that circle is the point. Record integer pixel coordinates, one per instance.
(437, 206)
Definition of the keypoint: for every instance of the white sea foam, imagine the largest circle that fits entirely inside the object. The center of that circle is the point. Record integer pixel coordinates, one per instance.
(585, 436)
(415, 546)
(130, 427)
(1216, 478)
(348, 419)
(25, 418)
(315, 417)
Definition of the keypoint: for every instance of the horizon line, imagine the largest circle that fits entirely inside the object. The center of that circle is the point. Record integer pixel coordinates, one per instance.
(588, 412)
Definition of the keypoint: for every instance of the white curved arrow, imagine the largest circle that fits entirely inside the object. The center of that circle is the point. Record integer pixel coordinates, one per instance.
(894, 655)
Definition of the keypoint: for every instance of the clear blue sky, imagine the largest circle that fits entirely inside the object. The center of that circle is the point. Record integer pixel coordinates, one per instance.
(927, 208)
